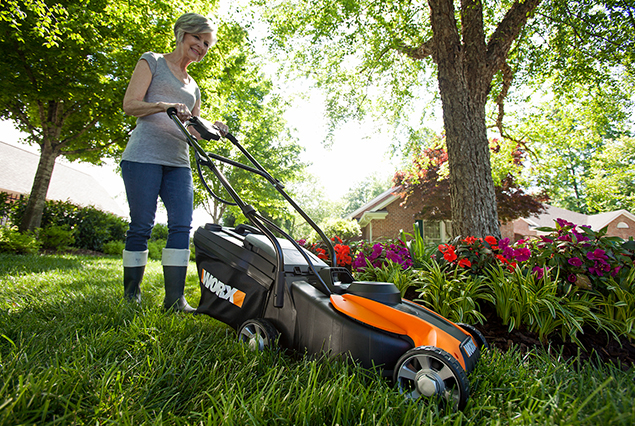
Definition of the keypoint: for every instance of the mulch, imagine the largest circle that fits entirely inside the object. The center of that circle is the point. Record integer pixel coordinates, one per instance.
(597, 347)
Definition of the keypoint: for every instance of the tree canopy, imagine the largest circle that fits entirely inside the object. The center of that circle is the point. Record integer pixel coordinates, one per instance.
(368, 53)
(66, 65)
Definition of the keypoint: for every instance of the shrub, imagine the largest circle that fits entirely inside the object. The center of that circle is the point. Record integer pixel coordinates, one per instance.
(346, 229)
(159, 232)
(12, 241)
(580, 256)
(114, 247)
(92, 227)
(155, 249)
(58, 238)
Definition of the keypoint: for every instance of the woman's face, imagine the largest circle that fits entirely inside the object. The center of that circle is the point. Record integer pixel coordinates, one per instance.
(197, 45)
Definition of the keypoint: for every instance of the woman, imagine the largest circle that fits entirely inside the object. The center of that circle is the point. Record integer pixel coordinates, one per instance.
(156, 163)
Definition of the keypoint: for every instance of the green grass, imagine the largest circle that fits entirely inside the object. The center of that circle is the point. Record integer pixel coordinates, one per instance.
(71, 352)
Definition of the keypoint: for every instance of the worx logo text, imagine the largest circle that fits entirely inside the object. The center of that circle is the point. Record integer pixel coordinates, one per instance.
(222, 290)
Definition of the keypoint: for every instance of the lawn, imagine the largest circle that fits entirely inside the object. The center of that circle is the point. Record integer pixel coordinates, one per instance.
(72, 352)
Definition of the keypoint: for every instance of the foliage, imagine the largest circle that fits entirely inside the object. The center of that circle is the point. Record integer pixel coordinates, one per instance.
(581, 256)
(390, 272)
(58, 238)
(421, 253)
(159, 232)
(346, 229)
(91, 227)
(617, 306)
(582, 155)
(427, 179)
(523, 299)
(114, 248)
(378, 254)
(455, 296)
(13, 241)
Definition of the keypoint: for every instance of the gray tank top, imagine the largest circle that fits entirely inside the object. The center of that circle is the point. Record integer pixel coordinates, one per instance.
(156, 139)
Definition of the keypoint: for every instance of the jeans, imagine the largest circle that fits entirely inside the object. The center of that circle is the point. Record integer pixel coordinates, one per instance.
(145, 183)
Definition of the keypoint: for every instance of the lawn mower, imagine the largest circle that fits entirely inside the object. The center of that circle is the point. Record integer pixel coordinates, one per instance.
(257, 279)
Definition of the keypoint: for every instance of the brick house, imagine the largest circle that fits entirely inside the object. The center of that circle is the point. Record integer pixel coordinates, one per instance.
(386, 217)
(17, 171)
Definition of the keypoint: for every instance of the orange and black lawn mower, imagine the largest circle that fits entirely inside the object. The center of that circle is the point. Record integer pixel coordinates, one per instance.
(257, 279)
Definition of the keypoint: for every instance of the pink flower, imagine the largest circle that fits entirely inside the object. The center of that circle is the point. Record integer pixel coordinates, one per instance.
(575, 261)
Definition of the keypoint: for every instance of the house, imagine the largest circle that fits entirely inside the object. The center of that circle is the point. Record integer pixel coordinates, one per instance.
(619, 223)
(386, 217)
(17, 171)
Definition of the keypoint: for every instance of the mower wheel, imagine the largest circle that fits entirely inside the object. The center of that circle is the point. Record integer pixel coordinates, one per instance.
(430, 371)
(258, 333)
(480, 340)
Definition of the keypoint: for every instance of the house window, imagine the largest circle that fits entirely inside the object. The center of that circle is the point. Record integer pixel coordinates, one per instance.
(434, 232)
(622, 225)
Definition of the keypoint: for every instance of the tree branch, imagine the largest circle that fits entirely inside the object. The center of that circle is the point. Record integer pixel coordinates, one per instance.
(420, 52)
(507, 31)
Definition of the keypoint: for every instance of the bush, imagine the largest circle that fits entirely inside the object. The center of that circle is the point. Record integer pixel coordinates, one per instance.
(155, 249)
(58, 238)
(379, 254)
(346, 229)
(12, 241)
(114, 248)
(92, 227)
(391, 272)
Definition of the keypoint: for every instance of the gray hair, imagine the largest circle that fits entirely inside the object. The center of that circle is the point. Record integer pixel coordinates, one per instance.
(193, 23)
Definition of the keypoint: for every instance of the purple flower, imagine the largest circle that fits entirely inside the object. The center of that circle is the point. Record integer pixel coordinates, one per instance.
(522, 254)
(615, 271)
(545, 239)
(575, 261)
(564, 238)
(564, 223)
(540, 272)
(391, 255)
(508, 252)
(503, 243)
(598, 254)
(301, 242)
(572, 278)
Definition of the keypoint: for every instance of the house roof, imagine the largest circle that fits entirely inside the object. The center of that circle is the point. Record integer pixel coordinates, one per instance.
(376, 204)
(596, 222)
(17, 171)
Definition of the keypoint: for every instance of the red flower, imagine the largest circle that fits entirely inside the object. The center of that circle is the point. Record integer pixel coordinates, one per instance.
(450, 256)
(465, 263)
(490, 240)
(469, 240)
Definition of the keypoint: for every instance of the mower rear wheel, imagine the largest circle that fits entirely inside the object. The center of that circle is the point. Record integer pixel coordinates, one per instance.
(480, 340)
(430, 371)
(259, 334)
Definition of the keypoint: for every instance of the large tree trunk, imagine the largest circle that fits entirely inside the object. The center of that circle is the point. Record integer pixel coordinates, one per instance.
(464, 80)
(37, 199)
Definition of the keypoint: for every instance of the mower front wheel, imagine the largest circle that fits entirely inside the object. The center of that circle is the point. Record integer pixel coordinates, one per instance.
(478, 337)
(429, 371)
(259, 334)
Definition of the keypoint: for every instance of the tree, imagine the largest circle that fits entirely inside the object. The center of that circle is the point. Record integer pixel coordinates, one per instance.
(351, 45)
(64, 81)
(64, 86)
(427, 179)
(580, 149)
(363, 192)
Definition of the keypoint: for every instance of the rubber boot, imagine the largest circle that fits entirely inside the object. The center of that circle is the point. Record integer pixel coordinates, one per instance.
(174, 272)
(134, 265)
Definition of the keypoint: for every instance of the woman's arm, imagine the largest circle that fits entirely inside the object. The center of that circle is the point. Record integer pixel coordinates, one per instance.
(133, 103)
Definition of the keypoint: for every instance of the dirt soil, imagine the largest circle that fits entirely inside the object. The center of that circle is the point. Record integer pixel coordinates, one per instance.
(597, 346)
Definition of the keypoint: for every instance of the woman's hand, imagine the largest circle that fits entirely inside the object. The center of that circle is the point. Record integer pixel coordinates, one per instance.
(222, 128)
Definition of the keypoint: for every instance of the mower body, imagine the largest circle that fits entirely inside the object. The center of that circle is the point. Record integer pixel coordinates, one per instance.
(366, 321)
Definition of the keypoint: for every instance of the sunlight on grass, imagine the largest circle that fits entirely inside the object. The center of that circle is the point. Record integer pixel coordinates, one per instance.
(72, 352)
